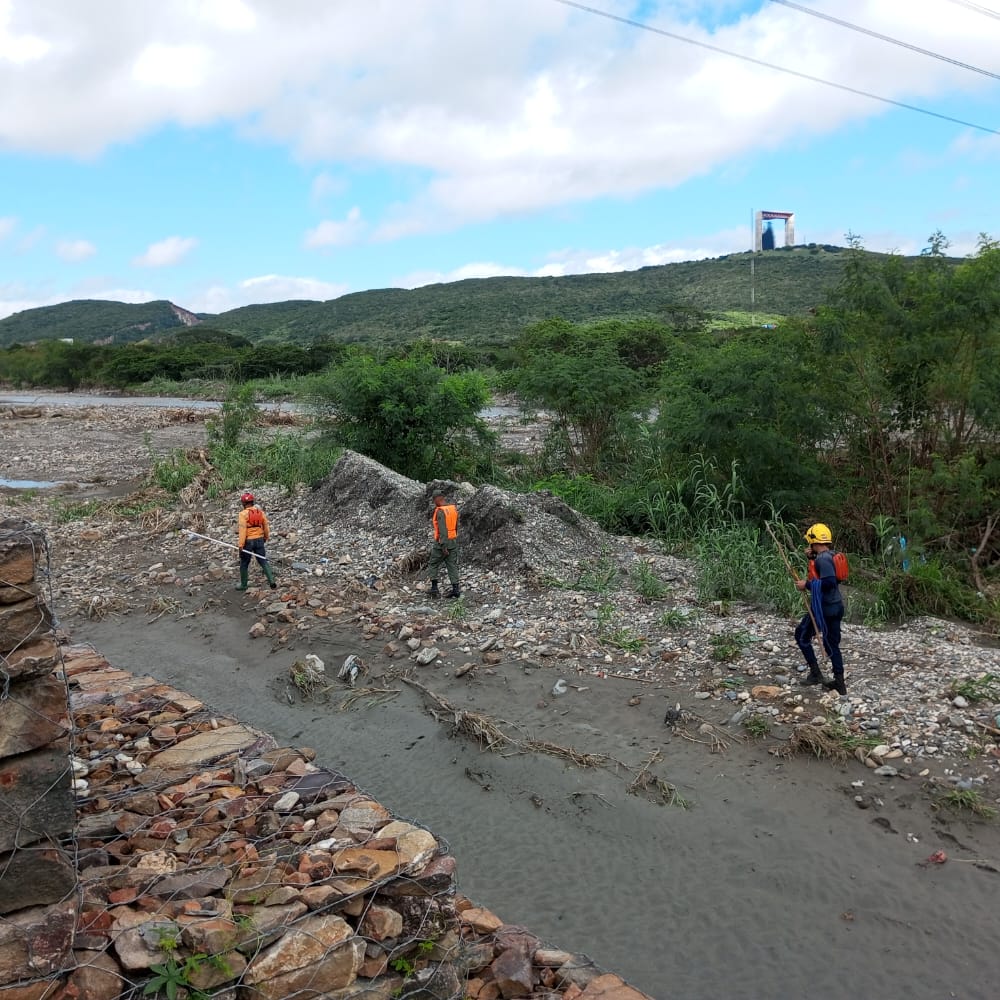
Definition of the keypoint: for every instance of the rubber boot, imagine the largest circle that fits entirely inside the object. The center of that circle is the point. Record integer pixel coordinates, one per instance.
(836, 684)
(244, 577)
(455, 592)
(269, 573)
(435, 593)
(815, 676)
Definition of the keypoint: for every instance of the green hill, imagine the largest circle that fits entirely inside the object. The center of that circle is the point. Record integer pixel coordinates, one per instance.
(786, 282)
(95, 321)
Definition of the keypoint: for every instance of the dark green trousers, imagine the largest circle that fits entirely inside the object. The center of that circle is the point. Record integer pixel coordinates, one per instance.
(449, 560)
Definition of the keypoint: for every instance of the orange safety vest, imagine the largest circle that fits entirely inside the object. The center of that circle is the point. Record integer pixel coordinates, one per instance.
(253, 524)
(450, 521)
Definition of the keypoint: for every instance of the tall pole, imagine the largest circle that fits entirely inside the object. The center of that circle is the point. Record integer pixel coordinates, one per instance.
(753, 258)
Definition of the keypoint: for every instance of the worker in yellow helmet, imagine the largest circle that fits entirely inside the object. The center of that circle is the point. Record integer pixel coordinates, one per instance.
(826, 605)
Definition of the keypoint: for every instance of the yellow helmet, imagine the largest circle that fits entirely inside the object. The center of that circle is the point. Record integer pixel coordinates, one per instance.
(819, 533)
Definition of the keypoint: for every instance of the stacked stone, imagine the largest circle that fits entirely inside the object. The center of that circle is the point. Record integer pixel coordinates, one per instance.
(213, 861)
(38, 907)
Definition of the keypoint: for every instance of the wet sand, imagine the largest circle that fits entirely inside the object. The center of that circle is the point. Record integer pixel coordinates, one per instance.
(773, 883)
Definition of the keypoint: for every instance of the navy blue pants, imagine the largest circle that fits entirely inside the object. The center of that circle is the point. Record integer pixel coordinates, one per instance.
(257, 547)
(805, 632)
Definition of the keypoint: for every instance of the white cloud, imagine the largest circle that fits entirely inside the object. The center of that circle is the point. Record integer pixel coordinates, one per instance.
(14, 300)
(7, 225)
(18, 49)
(166, 252)
(479, 269)
(500, 108)
(75, 250)
(332, 233)
(172, 67)
(577, 261)
(325, 184)
(263, 288)
(116, 294)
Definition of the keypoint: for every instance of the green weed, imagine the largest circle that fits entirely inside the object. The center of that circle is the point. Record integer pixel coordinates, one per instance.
(598, 576)
(66, 513)
(729, 646)
(171, 977)
(758, 726)
(985, 687)
(624, 639)
(403, 966)
(457, 610)
(928, 587)
(647, 584)
(238, 415)
(288, 459)
(677, 619)
(966, 800)
(134, 510)
(173, 472)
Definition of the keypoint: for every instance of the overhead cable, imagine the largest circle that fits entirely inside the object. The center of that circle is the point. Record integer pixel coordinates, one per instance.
(978, 8)
(780, 69)
(886, 38)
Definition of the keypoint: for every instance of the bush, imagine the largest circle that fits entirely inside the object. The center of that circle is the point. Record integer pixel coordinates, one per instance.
(173, 472)
(929, 587)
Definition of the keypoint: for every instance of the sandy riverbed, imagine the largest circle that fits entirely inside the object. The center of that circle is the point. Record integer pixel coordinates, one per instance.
(772, 883)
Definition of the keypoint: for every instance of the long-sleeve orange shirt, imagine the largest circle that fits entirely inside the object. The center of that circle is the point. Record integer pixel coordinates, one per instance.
(253, 524)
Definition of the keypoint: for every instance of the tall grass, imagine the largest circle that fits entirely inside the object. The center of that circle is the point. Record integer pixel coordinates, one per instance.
(929, 587)
(174, 471)
(701, 513)
(287, 460)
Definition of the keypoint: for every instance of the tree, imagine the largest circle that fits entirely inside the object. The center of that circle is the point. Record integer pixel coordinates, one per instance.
(407, 414)
(753, 399)
(597, 380)
(918, 346)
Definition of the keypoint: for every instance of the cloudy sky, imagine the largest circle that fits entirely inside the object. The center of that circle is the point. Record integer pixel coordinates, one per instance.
(224, 152)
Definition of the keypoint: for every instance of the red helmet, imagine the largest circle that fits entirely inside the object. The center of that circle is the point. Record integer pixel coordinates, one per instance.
(247, 497)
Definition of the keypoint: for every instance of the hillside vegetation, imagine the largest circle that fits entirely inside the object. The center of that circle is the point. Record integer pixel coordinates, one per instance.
(789, 281)
(95, 321)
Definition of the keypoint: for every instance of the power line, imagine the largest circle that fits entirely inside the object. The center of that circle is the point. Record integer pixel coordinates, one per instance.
(779, 69)
(978, 8)
(886, 38)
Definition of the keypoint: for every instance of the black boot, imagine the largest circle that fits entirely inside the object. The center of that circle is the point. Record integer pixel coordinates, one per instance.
(435, 593)
(815, 676)
(455, 592)
(836, 684)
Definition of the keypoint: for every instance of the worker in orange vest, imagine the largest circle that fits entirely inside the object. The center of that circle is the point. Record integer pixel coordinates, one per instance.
(255, 531)
(444, 520)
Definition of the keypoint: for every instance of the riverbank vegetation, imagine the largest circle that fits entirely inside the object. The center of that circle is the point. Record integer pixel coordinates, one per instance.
(878, 413)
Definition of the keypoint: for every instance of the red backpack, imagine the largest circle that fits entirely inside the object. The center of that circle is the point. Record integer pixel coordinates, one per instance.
(255, 517)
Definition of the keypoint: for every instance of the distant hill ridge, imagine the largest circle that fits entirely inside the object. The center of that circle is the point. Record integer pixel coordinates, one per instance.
(787, 281)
